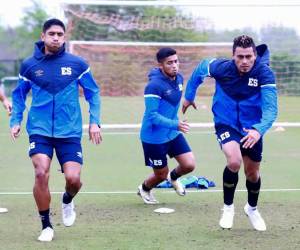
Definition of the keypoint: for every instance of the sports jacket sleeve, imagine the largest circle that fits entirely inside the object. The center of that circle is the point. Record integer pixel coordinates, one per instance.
(152, 100)
(18, 100)
(92, 95)
(197, 77)
(269, 108)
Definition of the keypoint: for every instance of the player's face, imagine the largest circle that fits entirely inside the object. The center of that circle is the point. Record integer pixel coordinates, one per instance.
(170, 66)
(244, 59)
(53, 38)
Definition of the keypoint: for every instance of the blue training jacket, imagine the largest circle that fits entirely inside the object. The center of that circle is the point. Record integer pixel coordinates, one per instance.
(162, 100)
(240, 101)
(54, 81)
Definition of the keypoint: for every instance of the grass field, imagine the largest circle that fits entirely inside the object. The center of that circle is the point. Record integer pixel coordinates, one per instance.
(112, 216)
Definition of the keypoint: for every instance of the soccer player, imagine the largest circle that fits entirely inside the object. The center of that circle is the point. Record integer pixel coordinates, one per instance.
(244, 108)
(54, 119)
(7, 106)
(161, 130)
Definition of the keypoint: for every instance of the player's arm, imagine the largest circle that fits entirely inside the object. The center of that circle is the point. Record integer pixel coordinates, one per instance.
(18, 99)
(152, 102)
(269, 108)
(197, 77)
(6, 103)
(92, 95)
(269, 114)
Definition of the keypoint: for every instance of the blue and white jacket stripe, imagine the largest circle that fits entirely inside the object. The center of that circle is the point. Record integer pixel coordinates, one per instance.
(248, 101)
(54, 81)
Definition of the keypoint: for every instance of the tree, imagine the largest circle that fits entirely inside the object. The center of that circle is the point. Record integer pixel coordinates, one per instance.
(30, 29)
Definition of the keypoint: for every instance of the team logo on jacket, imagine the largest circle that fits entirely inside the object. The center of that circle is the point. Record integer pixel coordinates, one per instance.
(253, 82)
(180, 86)
(66, 71)
(39, 72)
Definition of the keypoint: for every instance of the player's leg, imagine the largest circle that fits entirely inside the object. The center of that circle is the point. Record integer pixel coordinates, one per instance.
(252, 158)
(69, 155)
(72, 172)
(229, 142)
(155, 157)
(180, 150)
(145, 189)
(41, 193)
(41, 154)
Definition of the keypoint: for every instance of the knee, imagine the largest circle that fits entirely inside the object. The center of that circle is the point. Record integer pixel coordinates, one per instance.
(189, 166)
(73, 181)
(41, 174)
(234, 164)
(252, 176)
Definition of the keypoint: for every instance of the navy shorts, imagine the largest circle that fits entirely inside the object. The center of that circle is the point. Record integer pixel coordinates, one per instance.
(66, 149)
(156, 154)
(226, 134)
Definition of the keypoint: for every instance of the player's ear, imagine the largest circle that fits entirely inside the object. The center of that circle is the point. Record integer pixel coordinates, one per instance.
(42, 36)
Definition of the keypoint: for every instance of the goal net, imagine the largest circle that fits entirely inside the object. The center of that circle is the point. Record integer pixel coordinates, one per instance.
(119, 39)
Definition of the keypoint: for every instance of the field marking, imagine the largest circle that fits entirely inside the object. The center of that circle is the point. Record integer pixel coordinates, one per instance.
(164, 191)
(192, 125)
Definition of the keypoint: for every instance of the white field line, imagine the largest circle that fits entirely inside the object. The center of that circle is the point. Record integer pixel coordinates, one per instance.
(192, 125)
(162, 189)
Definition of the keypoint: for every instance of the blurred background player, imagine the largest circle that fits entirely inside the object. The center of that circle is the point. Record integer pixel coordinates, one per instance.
(244, 108)
(7, 106)
(54, 120)
(161, 130)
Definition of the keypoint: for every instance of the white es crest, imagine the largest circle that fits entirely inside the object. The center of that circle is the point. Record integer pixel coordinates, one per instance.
(253, 82)
(180, 86)
(66, 71)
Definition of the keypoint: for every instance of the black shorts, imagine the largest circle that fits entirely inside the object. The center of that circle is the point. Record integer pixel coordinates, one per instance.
(156, 154)
(226, 134)
(66, 149)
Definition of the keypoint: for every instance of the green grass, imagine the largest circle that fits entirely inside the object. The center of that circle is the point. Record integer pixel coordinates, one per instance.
(122, 221)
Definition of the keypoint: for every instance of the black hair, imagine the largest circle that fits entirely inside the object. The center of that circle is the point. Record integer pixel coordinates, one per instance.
(51, 22)
(244, 42)
(164, 52)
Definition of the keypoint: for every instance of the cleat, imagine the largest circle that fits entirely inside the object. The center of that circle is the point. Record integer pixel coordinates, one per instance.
(255, 218)
(178, 187)
(147, 197)
(68, 214)
(3, 210)
(47, 234)
(226, 220)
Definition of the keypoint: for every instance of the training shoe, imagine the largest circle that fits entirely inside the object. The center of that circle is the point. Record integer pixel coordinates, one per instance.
(68, 214)
(3, 210)
(47, 234)
(255, 218)
(179, 188)
(226, 220)
(147, 196)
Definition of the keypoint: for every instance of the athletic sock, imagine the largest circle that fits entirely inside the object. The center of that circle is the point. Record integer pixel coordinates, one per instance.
(45, 219)
(145, 188)
(67, 198)
(174, 175)
(253, 192)
(230, 180)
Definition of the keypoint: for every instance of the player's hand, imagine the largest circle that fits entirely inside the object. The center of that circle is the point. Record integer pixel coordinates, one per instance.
(95, 134)
(7, 105)
(186, 104)
(183, 126)
(251, 138)
(15, 132)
